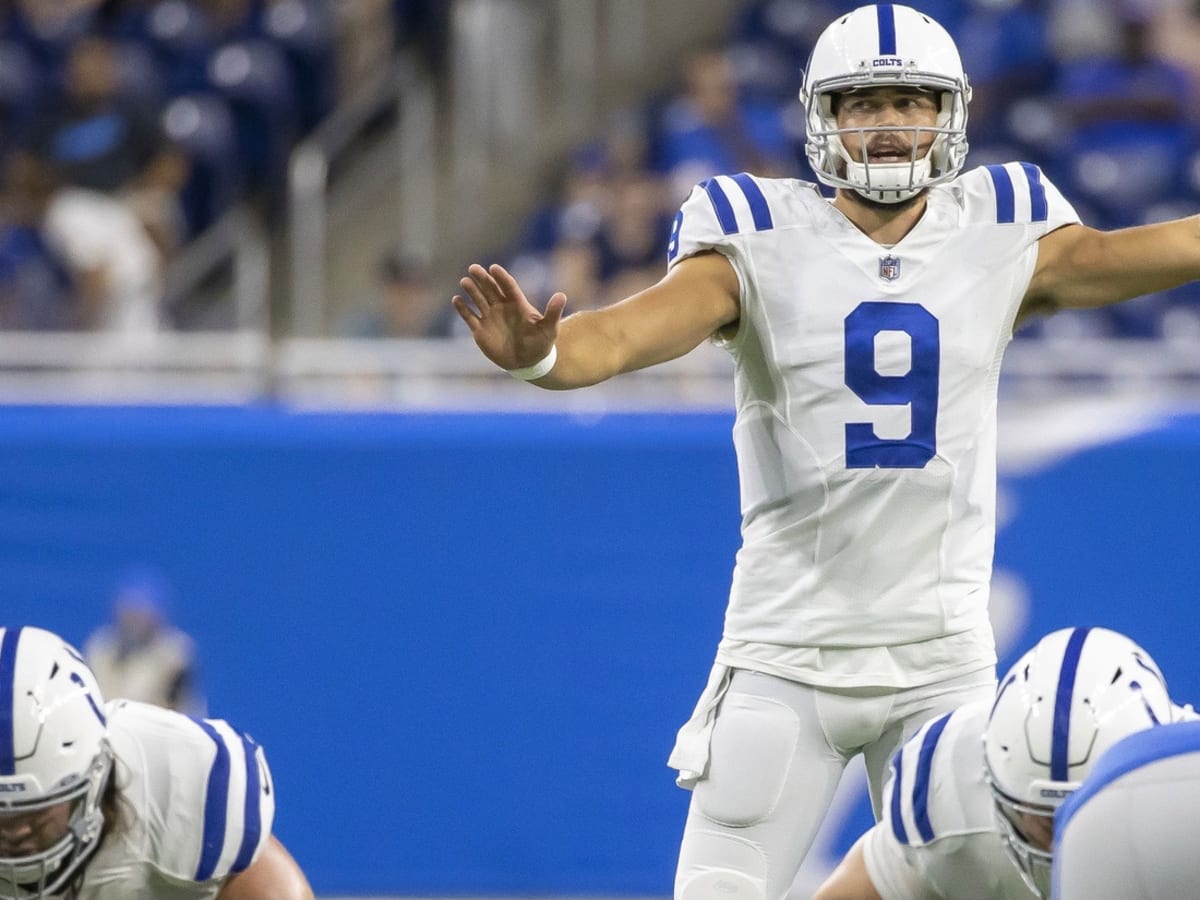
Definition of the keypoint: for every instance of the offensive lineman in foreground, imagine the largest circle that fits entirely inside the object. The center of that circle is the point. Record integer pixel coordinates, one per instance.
(1128, 833)
(969, 810)
(867, 333)
(126, 800)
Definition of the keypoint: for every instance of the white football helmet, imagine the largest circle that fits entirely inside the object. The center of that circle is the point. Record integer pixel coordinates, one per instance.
(54, 761)
(1066, 701)
(885, 45)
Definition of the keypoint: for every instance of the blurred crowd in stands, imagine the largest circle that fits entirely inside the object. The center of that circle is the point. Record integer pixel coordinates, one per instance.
(127, 127)
(1102, 94)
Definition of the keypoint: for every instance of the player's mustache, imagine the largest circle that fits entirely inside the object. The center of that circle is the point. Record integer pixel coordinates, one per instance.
(889, 145)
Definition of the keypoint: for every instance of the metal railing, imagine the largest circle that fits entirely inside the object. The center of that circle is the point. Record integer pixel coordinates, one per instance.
(237, 239)
(450, 374)
(165, 367)
(230, 365)
(401, 85)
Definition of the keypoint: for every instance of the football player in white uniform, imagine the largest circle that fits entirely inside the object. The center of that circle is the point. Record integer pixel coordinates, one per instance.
(1127, 833)
(969, 809)
(867, 332)
(126, 800)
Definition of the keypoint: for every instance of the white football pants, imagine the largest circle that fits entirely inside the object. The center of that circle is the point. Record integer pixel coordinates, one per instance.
(777, 753)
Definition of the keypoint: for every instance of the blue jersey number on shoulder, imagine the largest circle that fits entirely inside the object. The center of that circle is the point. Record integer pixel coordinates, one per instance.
(673, 242)
(917, 388)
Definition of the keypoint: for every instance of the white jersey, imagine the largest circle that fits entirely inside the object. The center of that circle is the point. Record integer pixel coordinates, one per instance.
(197, 806)
(1128, 833)
(866, 382)
(938, 833)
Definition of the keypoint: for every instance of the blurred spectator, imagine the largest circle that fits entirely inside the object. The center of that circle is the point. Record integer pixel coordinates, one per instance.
(1131, 85)
(21, 87)
(48, 28)
(711, 130)
(150, 119)
(140, 655)
(75, 259)
(95, 140)
(601, 236)
(1175, 36)
(772, 42)
(1129, 116)
(575, 209)
(405, 307)
(630, 243)
(116, 267)
(37, 291)
(1008, 48)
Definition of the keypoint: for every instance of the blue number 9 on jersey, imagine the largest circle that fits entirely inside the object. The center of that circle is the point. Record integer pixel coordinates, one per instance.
(917, 388)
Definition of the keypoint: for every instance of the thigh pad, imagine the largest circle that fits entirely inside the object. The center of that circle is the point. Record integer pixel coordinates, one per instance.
(753, 745)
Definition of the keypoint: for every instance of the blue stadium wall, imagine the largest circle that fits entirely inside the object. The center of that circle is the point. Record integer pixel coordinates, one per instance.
(466, 641)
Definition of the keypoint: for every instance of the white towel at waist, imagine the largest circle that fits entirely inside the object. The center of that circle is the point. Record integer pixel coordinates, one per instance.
(690, 754)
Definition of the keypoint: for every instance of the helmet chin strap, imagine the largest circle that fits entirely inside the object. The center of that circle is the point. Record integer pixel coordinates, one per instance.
(888, 182)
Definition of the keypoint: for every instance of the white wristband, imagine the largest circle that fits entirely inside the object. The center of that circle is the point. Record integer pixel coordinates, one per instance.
(538, 369)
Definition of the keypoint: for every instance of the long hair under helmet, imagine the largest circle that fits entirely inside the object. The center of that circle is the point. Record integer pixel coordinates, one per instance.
(53, 750)
(885, 45)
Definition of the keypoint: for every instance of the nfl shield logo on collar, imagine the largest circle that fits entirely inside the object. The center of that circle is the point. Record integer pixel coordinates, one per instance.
(889, 268)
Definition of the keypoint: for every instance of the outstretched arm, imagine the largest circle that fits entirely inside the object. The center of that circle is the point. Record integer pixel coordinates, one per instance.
(696, 298)
(850, 880)
(274, 874)
(1080, 267)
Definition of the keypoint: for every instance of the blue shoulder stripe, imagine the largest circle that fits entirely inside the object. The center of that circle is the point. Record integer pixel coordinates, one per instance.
(721, 205)
(1039, 211)
(252, 820)
(8, 671)
(921, 782)
(1060, 740)
(1005, 203)
(758, 203)
(216, 800)
(897, 814)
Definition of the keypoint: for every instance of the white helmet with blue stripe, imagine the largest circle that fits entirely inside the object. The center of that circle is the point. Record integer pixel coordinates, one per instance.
(54, 763)
(1066, 701)
(885, 45)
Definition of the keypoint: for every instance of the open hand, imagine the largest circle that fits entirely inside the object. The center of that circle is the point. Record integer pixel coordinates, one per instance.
(509, 329)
